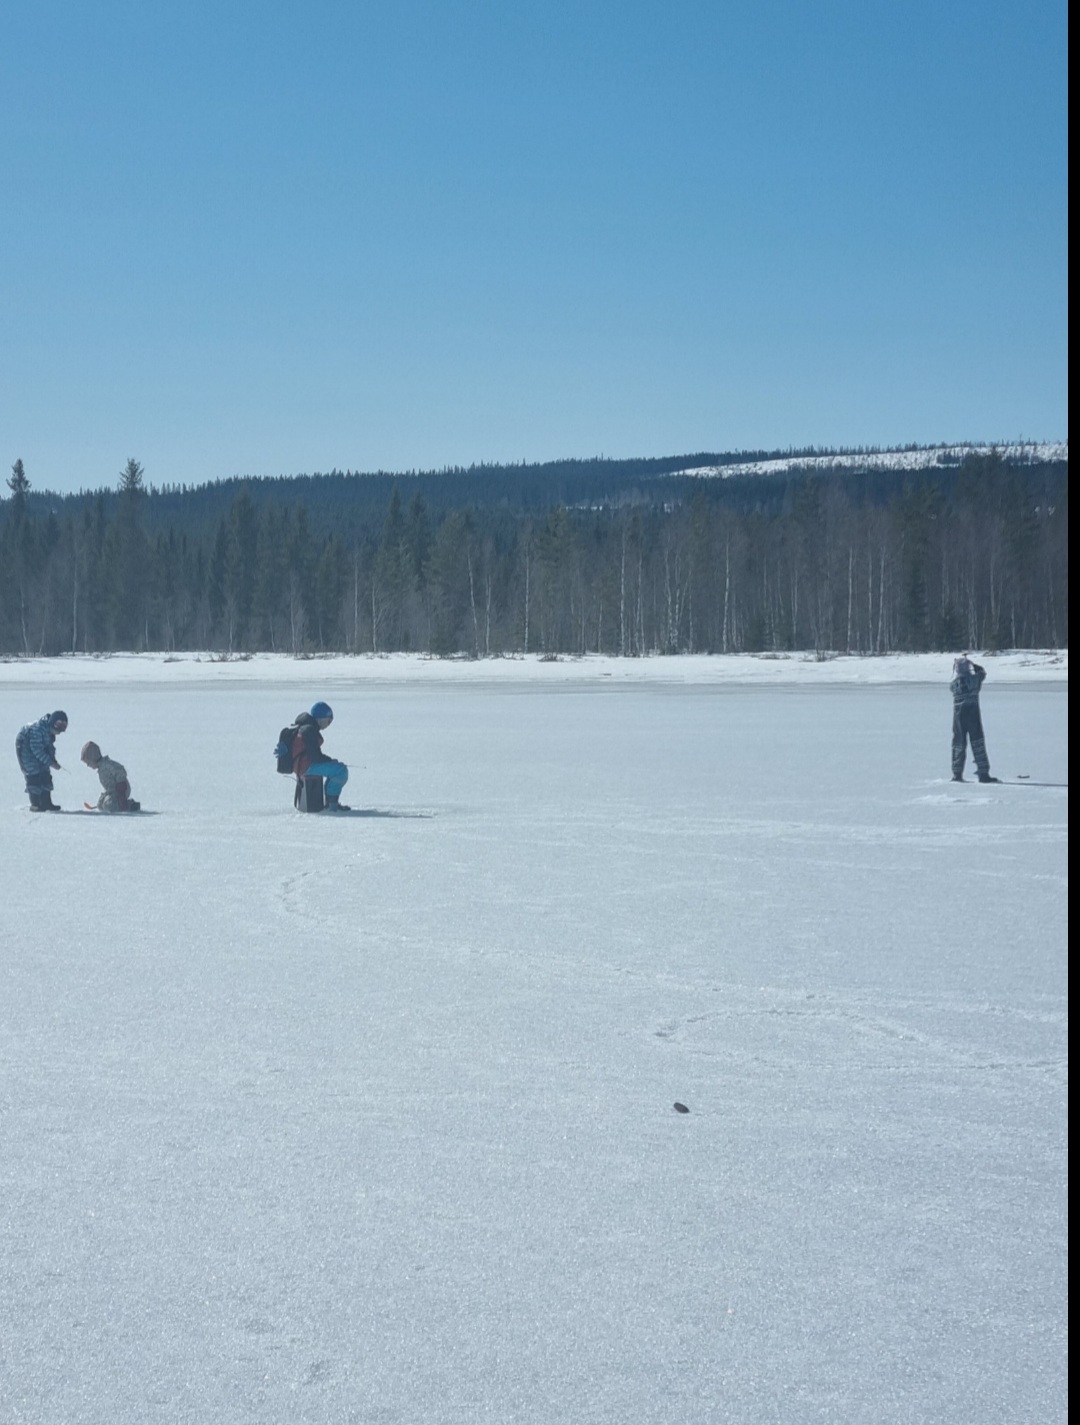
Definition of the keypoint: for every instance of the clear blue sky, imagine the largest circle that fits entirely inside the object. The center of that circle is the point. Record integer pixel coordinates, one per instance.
(272, 239)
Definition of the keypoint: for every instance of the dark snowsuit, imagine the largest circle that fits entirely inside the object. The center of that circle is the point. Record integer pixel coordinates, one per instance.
(35, 747)
(967, 720)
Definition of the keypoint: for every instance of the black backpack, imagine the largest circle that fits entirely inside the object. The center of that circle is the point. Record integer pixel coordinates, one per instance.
(283, 751)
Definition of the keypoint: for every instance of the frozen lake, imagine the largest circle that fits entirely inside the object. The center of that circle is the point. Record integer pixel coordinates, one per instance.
(370, 1119)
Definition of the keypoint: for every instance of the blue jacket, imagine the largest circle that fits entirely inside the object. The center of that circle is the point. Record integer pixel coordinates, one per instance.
(36, 745)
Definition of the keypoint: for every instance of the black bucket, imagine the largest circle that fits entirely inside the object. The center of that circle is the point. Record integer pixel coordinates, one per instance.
(311, 794)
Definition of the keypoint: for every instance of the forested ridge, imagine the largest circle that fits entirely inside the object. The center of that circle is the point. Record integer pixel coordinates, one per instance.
(620, 557)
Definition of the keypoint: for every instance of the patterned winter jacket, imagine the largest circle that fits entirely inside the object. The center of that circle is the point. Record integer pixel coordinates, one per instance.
(115, 781)
(36, 745)
(967, 680)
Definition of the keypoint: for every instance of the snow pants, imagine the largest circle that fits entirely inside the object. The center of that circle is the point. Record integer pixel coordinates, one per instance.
(39, 780)
(335, 775)
(119, 800)
(967, 723)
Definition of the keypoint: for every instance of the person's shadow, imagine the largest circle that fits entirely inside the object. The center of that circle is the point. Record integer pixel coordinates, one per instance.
(375, 811)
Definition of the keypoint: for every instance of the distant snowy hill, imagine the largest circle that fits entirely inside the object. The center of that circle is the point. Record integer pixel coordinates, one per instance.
(923, 459)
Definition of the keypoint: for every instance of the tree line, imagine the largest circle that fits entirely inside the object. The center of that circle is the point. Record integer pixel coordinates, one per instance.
(645, 563)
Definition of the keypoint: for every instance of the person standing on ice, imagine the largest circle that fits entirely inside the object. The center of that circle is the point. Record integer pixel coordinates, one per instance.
(116, 795)
(967, 679)
(307, 754)
(35, 747)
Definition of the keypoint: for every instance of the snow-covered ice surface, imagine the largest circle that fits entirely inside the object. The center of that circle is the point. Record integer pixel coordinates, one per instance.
(370, 1118)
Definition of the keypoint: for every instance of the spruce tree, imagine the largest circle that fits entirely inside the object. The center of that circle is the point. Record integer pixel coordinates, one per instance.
(131, 561)
(18, 555)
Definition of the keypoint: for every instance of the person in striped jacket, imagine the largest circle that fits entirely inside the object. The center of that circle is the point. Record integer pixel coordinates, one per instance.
(35, 747)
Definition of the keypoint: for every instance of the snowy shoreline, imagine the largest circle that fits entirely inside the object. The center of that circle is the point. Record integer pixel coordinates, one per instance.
(754, 669)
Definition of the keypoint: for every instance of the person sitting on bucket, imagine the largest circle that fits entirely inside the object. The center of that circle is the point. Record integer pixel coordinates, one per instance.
(308, 758)
(35, 747)
(116, 795)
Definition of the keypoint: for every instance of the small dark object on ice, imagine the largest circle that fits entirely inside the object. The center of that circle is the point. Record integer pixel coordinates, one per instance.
(1023, 776)
(681, 1108)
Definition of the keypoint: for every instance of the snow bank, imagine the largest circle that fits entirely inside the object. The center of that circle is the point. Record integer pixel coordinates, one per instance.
(753, 669)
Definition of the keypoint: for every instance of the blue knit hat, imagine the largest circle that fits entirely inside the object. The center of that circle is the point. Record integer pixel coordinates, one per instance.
(321, 710)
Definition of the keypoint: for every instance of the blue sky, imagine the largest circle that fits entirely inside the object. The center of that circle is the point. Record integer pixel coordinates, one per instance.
(269, 239)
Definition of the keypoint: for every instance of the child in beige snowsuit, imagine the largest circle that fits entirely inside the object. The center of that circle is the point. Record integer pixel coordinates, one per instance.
(114, 779)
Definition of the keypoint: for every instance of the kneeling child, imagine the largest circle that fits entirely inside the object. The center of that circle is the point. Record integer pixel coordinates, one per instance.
(114, 779)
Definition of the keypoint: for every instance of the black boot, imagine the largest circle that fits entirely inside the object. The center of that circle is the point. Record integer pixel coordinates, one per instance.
(957, 777)
(986, 777)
